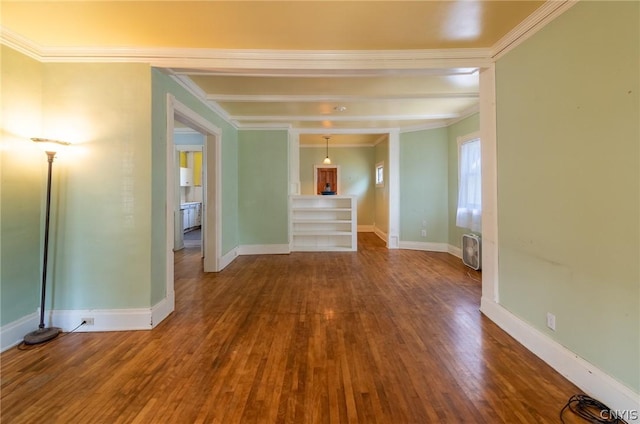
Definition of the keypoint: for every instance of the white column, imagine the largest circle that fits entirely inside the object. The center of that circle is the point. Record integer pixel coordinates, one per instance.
(489, 185)
(393, 236)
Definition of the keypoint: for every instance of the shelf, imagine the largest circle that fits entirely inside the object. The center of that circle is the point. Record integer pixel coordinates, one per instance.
(323, 223)
(325, 249)
(322, 233)
(322, 209)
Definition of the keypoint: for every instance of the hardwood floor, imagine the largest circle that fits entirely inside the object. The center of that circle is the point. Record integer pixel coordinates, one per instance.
(376, 336)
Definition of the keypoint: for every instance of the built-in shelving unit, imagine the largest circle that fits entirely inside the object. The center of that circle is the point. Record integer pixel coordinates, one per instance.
(323, 223)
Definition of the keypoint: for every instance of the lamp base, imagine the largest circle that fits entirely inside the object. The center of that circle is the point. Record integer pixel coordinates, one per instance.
(41, 335)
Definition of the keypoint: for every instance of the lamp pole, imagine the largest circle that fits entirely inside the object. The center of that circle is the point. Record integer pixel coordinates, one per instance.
(43, 334)
(50, 156)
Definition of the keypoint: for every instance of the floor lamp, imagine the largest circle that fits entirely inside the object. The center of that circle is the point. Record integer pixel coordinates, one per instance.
(44, 334)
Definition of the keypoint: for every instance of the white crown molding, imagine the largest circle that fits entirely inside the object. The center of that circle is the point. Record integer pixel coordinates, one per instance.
(465, 114)
(302, 98)
(264, 126)
(279, 118)
(546, 13)
(20, 44)
(383, 137)
(195, 90)
(327, 73)
(290, 61)
(215, 59)
(335, 131)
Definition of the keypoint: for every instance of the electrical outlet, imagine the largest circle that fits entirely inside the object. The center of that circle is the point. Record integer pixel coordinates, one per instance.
(424, 223)
(423, 233)
(551, 321)
(88, 321)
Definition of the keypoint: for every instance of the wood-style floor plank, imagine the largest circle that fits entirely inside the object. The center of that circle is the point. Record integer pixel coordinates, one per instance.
(374, 336)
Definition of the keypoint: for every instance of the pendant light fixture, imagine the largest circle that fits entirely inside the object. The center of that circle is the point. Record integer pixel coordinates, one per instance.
(326, 160)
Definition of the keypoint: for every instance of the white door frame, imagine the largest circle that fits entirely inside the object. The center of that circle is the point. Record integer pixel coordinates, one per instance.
(212, 187)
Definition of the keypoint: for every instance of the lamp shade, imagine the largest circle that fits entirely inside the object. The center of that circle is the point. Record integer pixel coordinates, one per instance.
(50, 146)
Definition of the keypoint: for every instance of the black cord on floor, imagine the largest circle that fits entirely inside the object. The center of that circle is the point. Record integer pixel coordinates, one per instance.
(473, 278)
(24, 346)
(591, 410)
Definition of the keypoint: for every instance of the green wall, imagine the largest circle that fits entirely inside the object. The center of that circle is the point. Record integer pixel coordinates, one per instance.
(108, 224)
(459, 129)
(569, 183)
(263, 179)
(423, 185)
(355, 176)
(161, 86)
(100, 233)
(102, 229)
(22, 183)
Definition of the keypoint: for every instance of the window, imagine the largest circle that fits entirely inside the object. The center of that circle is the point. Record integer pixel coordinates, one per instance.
(380, 174)
(469, 213)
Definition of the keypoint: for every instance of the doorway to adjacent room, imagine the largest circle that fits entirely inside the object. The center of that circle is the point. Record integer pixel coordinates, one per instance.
(326, 178)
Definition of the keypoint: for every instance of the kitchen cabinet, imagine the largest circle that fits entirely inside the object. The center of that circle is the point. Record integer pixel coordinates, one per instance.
(186, 177)
(190, 169)
(191, 215)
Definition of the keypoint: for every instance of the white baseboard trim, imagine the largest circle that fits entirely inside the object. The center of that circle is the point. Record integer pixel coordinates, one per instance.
(229, 257)
(455, 251)
(103, 319)
(264, 249)
(426, 246)
(13, 333)
(380, 233)
(588, 377)
(161, 310)
(366, 228)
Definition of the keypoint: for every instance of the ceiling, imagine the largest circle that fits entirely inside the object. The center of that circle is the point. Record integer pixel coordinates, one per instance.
(350, 68)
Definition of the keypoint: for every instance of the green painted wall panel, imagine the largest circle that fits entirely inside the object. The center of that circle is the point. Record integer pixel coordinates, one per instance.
(569, 183)
(102, 199)
(459, 129)
(22, 181)
(263, 178)
(424, 185)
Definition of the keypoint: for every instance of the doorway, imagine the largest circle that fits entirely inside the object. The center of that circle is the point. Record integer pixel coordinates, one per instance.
(326, 179)
(212, 193)
(191, 200)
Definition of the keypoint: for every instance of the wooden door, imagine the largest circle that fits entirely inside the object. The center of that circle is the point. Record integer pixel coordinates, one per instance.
(327, 175)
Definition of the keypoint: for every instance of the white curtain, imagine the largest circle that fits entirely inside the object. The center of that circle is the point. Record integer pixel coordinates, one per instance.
(469, 214)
